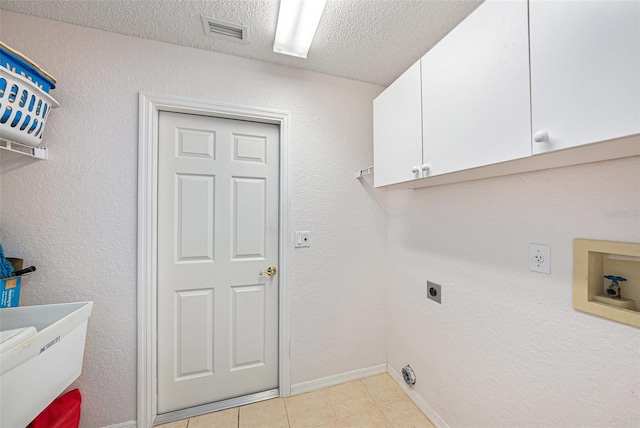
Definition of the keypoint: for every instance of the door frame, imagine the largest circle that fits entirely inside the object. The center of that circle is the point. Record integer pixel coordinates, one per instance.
(150, 104)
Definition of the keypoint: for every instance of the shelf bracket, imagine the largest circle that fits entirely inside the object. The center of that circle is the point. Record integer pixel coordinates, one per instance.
(360, 172)
(34, 152)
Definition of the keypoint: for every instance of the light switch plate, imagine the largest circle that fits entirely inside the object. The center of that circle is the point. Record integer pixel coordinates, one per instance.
(302, 239)
(540, 258)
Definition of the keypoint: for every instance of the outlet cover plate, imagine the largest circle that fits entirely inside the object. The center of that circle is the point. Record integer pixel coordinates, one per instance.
(434, 291)
(540, 258)
(302, 239)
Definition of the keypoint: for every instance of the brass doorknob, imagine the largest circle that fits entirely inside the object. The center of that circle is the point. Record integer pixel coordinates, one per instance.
(271, 270)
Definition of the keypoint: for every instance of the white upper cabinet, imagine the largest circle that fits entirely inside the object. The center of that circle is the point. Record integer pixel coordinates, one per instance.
(475, 91)
(397, 130)
(515, 78)
(585, 71)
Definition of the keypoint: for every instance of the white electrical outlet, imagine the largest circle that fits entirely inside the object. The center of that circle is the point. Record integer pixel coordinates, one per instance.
(540, 258)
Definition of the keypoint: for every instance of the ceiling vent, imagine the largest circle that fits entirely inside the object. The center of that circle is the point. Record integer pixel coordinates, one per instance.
(224, 30)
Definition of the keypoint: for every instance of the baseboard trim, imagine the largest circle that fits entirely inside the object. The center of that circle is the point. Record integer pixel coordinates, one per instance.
(130, 424)
(417, 400)
(325, 382)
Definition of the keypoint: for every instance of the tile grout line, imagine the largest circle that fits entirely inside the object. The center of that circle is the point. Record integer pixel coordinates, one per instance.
(286, 411)
(378, 405)
(385, 415)
(337, 419)
(375, 406)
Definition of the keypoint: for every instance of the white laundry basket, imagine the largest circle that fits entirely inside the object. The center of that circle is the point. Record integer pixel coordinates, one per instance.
(24, 109)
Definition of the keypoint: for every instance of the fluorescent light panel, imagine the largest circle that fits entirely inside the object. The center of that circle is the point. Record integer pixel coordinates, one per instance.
(297, 24)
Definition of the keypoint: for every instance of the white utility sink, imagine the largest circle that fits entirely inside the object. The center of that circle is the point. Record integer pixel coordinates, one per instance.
(39, 365)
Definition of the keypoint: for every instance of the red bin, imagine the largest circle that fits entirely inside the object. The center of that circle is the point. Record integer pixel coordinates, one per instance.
(63, 412)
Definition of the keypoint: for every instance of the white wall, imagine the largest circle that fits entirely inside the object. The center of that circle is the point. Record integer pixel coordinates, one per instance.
(505, 348)
(74, 216)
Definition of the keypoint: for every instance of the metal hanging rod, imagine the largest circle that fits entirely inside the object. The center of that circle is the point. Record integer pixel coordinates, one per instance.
(361, 172)
(34, 152)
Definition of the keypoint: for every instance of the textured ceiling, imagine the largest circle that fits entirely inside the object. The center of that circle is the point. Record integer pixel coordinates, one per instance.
(368, 40)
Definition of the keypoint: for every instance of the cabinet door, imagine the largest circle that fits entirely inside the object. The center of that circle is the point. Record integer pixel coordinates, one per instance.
(475, 91)
(585, 71)
(397, 130)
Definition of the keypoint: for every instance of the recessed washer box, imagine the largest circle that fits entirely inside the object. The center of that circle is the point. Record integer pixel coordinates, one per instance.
(592, 261)
(34, 371)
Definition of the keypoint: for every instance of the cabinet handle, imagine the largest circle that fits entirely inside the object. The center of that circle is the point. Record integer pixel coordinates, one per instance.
(541, 136)
(425, 167)
(415, 169)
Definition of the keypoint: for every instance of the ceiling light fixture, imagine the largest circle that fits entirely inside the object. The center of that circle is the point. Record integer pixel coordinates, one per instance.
(297, 24)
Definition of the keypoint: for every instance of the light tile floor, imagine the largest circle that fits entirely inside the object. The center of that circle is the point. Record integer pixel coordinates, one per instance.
(373, 402)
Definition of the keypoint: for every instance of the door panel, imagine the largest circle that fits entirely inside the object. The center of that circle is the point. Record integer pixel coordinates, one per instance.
(194, 218)
(472, 80)
(194, 345)
(196, 143)
(218, 199)
(397, 130)
(249, 233)
(585, 68)
(248, 327)
(250, 148)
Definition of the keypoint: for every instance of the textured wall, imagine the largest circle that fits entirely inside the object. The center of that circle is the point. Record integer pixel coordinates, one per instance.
(74, 216)
(506, 348)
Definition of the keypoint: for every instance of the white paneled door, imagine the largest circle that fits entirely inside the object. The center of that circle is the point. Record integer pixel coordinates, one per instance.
(218, 199)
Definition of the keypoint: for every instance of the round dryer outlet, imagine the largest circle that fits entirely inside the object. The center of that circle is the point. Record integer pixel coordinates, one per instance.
(409, 375)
